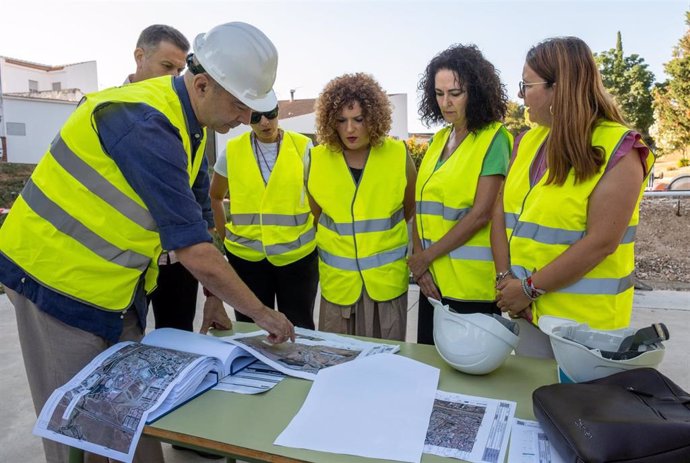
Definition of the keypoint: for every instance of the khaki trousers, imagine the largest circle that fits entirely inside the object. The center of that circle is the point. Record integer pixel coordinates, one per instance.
(53, 353)
(383, 320)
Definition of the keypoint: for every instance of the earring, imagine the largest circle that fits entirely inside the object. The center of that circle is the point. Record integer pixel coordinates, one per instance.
(551, 109)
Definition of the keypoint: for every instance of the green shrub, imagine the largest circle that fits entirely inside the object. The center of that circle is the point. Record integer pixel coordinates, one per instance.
(13, 177)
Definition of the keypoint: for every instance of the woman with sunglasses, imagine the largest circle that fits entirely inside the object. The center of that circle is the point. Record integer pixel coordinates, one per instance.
(361, 187)
(269, 239)
(571, 200)
(458, 183)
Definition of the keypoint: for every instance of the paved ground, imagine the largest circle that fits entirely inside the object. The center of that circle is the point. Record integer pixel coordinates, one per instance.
(17, 444)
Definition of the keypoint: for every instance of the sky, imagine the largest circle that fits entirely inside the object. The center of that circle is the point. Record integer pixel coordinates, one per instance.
(319, 40)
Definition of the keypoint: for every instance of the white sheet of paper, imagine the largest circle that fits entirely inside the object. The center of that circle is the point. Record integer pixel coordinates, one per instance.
(529, 444)
(376, 407)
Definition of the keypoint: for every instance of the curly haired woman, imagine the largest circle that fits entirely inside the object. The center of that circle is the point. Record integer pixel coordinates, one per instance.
(458, 183)
(361, 187)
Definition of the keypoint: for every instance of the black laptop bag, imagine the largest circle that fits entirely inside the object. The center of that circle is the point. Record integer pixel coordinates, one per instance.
(636, 416)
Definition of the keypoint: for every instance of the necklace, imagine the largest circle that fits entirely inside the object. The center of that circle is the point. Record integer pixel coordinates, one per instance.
(259, 153)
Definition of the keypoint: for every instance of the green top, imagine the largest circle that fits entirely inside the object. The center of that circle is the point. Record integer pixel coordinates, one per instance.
(497, 159)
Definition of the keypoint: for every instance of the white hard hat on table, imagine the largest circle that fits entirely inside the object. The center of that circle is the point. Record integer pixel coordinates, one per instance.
(242, 60)
(585, 354)
(474, 343)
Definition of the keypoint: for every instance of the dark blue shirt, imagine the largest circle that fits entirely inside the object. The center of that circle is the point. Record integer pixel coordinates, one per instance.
(148, 150)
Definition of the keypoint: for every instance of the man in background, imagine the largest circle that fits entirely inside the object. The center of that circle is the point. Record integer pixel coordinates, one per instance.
(162, 50)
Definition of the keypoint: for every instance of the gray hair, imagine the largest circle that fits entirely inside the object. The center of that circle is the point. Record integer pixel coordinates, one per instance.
(153, 35)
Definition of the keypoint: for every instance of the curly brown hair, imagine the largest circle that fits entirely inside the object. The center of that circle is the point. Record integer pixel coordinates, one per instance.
(343, 91)
(486, 96)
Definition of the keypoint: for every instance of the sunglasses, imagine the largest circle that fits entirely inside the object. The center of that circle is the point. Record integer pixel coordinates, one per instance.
(270, 115)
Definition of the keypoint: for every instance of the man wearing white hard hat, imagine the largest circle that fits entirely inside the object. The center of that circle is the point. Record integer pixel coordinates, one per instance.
(122, 180)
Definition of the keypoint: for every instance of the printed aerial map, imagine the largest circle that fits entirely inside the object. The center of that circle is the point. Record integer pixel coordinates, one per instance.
(454, 425)
(106, 408)
(299, 355)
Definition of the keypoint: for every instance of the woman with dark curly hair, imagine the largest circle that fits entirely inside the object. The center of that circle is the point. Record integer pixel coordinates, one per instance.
(361, 190)
(571, 202)
(458, 183)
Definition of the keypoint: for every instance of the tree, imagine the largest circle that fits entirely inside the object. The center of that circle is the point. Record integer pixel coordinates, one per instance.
(629, 81)
(672, 99)
(516, 120)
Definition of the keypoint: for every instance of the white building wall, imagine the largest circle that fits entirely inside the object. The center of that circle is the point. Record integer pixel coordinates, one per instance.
(42, 120)
(399, 118)
(15, 78)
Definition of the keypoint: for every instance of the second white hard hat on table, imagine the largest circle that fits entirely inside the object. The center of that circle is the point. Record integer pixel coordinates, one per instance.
(585, 354)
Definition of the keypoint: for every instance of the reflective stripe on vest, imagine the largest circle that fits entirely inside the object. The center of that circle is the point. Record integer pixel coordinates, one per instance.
(481, 253)
(511, 220)
(550, 235)
(362, 226)
(274, 249)
(551, 218)
(268, 221)
(435, 208)
(64, 222)
(271, 219)
(362, 234)
(78, 227)
(444, 195)
(586, 286)
(364, 263)
(99, 186)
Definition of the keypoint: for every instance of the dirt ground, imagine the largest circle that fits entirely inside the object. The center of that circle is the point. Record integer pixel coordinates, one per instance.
(662, 245)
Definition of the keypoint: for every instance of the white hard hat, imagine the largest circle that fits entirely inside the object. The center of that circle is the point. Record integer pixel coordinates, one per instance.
(475, 343)
(585, 354)
(242, 60)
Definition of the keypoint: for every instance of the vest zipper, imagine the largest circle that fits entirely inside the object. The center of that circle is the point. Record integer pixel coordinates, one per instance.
(352, 211)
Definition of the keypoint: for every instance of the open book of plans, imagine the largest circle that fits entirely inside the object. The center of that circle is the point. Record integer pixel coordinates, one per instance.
(104, 408)
(311, 352)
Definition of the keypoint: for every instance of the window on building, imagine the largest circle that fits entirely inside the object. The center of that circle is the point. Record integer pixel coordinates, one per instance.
(16, 129)
(33, 85)
(57, 86)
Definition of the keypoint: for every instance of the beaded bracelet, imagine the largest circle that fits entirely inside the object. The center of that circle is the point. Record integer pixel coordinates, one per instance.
(530, 290)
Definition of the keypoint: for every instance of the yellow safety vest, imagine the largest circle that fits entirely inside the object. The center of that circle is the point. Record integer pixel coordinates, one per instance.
(551, 218)
(362, 234)
(78, 227)
(519, 175)
(269, 221)
(443, 197)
